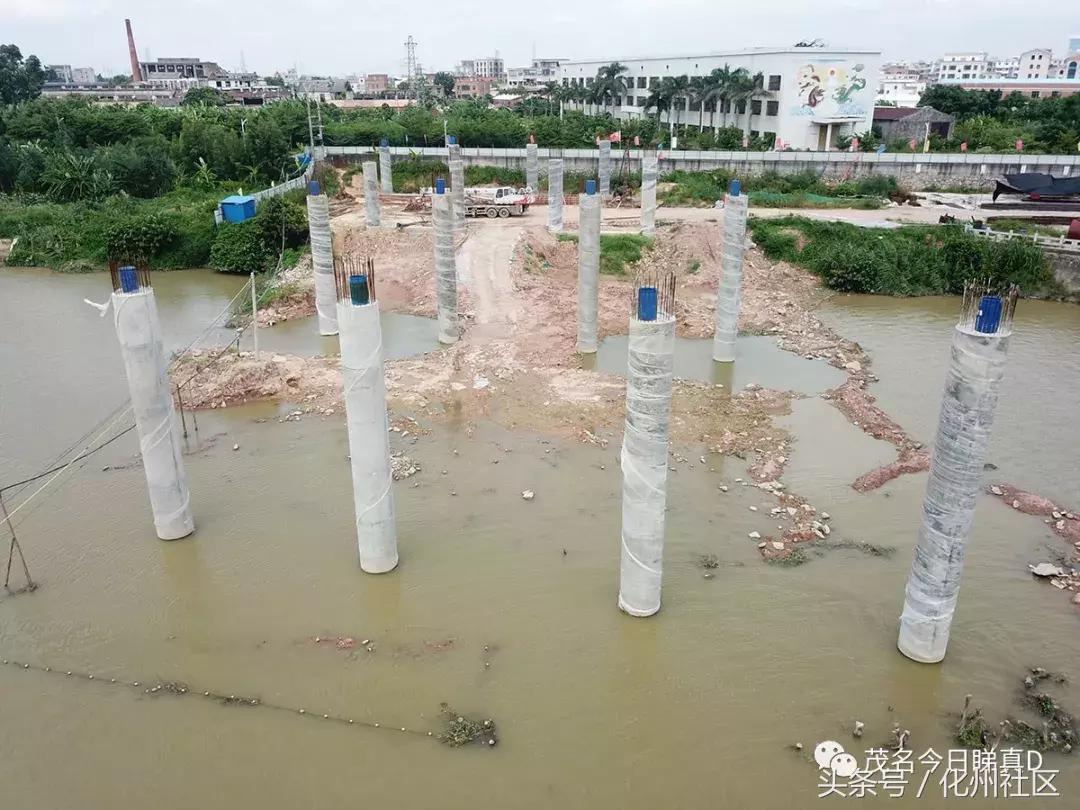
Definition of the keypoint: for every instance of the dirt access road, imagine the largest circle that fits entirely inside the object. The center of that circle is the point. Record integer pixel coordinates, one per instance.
(484, 262)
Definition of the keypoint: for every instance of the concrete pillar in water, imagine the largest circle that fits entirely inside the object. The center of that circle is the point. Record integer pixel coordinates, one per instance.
(976, 367)
(604, 172)
(588, 267)
(365, 415)
(322, 259)
(649, 165)
(645, 444)
(555, 194)
(386, 173)
(445, 266)
(729, 294)
(371, 193)
(532, 167)
(139, 332)
(457, 187)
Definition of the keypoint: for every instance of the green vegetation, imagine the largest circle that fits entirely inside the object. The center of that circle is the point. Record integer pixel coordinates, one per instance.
(1025, 226)
(254, 245)
(773, 190)
(617, 251)
(910, 260)
(989, 121)
(461, 730)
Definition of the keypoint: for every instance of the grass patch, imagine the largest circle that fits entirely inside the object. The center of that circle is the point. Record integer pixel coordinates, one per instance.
(798, 556)
(774, 190)
(617, 251)
(910, 260)
(1025, 226)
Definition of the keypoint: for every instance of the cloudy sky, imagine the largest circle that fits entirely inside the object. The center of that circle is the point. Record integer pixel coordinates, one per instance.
(351, 36)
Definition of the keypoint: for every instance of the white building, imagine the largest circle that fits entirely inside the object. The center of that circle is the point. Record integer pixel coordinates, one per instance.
(1035, 64)
(491, 67)
(1073, 46)
(1069, 67)
(539, 72)
(956, 66)
(66, 74)
(900, 90)
(810, 96)
(1005, 68)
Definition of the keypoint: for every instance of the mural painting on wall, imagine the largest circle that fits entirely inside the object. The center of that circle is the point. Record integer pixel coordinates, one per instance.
(830, 90)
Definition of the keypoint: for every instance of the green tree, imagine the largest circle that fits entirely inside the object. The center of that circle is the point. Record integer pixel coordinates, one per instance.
(610, 84)
(445, 82)
(208, 96)
(20, 79)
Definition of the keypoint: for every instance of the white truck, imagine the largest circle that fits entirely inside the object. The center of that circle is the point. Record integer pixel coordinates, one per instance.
(500, 201)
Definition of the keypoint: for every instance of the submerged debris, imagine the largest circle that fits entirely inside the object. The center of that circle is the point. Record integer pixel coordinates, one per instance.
(1058, 730)
(401, 466)
(461, 730)
(708, 561)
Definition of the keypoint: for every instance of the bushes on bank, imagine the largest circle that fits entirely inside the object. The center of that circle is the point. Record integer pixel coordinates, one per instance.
(911, 260)
(254, 245)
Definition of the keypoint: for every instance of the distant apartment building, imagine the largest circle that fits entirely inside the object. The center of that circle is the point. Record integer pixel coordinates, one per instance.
(1069, 67)
(66, 74)
(961, 66)
(900, 89)
(1032, 88)
(492, 67)
(809, 96)
(376, 83)
(1035, 64)
(1005, 68)
(539, 72)
(474, 86)
(1074, 45)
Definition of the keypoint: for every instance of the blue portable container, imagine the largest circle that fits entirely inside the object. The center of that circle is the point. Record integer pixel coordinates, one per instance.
(590, 187)
(646, 305)
(313, 188)
(358, 290)
(989, 314)
(129, 280)
(238, 208)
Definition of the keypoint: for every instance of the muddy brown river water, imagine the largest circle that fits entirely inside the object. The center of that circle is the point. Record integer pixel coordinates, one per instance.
(501, 607)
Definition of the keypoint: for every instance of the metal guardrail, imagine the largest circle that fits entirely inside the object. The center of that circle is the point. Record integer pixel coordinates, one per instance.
(1060, 243)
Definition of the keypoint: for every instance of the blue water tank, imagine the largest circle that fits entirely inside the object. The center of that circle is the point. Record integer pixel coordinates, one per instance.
(238, 207)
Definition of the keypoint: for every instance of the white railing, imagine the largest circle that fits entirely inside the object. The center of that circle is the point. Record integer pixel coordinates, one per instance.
(1059, 243)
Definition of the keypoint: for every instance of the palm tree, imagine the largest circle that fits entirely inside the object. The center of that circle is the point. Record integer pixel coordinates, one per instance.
(659, 99)
(610, 82)
(700, 87)
(679, 87)
(749, 89)
(723, 82)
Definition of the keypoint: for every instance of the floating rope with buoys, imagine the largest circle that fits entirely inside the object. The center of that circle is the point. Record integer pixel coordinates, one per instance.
(459, 730)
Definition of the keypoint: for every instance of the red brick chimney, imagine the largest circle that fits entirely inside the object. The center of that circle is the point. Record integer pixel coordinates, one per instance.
(136, 72)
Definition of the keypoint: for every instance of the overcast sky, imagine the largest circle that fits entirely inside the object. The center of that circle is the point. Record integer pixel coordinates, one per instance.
(358, 36)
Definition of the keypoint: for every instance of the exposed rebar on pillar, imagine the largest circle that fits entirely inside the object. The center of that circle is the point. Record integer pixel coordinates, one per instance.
(976, 368)
(139, 332)
(604, 170)
(728, 296)
(532, 167)
(445, 266)
(371, 193)
(386, 172)
(457, 187)
(588, 267)
(322, 259)
(555, 194)
(365, 415)
(644, 461)
(649, 165)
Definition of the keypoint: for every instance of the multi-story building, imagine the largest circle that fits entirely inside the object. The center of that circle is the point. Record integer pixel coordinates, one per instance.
(900, 89)
(1074, 45)
(491, 67)
(961, 66)
(1005, 68)
(180, 73)
(66, 74)
(1032, 88)
(376, 83)
(474, 86)
(1069, 67)
(539, 72)
(1035, 64)
(809, 96)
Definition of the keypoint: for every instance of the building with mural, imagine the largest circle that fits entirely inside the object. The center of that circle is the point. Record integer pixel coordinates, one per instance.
(810, 96)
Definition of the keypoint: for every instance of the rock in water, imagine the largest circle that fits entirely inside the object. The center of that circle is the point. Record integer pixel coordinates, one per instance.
(1046, 569)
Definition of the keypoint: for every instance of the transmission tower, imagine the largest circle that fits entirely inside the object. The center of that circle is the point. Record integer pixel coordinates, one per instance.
(410, 64)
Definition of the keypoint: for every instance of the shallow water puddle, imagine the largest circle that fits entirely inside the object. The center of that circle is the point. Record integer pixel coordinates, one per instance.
(759, 360)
